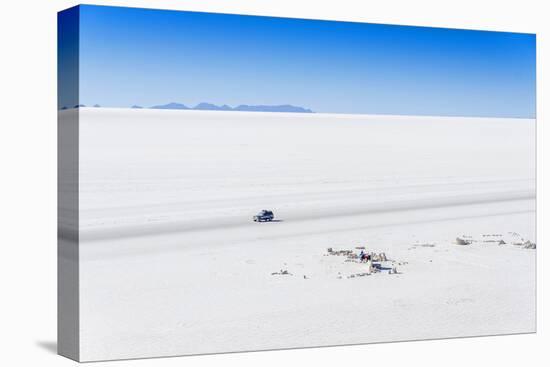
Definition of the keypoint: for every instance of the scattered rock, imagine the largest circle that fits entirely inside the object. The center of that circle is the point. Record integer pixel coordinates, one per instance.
(511, 238)
(357, 275)
(516, 239)
(348, 253)
(496, 238)
(424, 245)
(282, 272)
(463, 242)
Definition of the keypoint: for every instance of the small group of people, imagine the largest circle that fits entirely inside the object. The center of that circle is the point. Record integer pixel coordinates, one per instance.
(364, 257)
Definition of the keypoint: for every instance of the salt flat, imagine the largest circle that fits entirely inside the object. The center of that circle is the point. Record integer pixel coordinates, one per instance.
(171, 262)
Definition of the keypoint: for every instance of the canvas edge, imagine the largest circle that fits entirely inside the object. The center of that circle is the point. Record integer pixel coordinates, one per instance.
(68, 325)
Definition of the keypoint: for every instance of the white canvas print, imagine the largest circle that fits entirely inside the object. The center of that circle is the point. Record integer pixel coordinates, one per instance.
(315, 183)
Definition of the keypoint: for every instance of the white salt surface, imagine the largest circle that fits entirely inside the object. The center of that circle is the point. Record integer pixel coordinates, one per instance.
(171, 262)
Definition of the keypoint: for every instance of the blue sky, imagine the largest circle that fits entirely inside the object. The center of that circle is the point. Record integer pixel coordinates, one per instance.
(138, 56)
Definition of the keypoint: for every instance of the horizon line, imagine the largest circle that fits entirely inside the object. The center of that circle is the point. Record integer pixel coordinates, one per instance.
(303, 113)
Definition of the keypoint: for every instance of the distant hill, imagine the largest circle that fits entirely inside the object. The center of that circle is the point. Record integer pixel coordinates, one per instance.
(136, 106)
(211, 107)
(171, 106)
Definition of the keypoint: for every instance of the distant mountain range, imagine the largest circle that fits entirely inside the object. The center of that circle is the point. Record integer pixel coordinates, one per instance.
(212, 107)
(254, 108)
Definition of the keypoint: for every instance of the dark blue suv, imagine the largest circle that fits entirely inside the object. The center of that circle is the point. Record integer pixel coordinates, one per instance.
(264, 216)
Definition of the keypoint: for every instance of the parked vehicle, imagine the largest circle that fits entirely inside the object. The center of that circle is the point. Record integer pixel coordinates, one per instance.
(264, 216)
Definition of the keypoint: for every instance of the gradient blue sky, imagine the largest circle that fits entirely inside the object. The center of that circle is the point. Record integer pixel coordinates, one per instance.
(140, 56)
